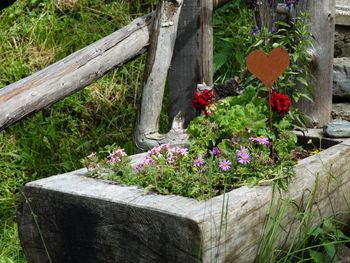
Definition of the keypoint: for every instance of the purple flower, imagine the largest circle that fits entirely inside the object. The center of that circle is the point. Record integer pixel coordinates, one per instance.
(291, 3)
(182, 151)
(147, 161)
(255, 30)
(244, 158)
(216, 151)
(273, 29)
(242, 150)
(159, 149)
(263, 140)
(138, 168)
(203, 168)
(198, 162)
(243, 155)
(225, 165)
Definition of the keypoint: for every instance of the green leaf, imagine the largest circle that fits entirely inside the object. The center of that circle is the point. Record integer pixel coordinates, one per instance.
(330, 249)
(306, 97)
(283, 24)
(303, 81)
(316, 256)
(259, 43)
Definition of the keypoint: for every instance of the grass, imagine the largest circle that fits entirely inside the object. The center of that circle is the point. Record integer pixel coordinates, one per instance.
(303, 239)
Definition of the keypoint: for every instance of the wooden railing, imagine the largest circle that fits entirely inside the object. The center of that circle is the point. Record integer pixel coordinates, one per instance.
(76, 71)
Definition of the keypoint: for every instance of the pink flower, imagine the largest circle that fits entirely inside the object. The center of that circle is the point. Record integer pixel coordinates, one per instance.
(91, 155)
(116, 155)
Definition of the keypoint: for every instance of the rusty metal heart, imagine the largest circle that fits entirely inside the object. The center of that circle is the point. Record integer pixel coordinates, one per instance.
(268, 67)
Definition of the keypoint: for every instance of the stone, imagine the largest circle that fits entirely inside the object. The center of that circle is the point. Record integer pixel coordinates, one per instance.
(337, 129)
(343, 254)
(341, 78)
(341, 111)
(346, 50)
(339, 43)
(342, 12)
(81, 219)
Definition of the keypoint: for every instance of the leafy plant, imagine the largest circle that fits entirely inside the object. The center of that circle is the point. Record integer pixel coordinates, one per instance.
(304, 241)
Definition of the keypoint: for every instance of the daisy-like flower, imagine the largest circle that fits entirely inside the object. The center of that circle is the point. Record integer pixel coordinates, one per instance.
(198, 162)
(244, 158)
(262, 140)
(225, 165)
(242, 150)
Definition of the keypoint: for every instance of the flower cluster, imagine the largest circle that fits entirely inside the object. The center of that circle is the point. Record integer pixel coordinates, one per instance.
(116, 156)
(243, 155)
(199, 164)
(163, 152)
(262, 140)
(280, 103)
(203, 99)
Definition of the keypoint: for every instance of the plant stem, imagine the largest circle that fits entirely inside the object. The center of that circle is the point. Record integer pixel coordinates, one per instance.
(270, 121)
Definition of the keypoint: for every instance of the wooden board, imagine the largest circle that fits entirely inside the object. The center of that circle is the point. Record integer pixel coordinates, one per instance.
(192, 60)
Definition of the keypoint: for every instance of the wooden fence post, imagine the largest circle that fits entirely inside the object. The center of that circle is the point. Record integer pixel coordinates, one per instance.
(323, 24)
(191, 64)
(192, 61)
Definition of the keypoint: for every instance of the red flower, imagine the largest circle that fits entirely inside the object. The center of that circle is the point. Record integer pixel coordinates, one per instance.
(201, 100)
(280, 102)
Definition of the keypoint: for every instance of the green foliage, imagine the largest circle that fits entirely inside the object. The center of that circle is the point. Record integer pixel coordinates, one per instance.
(232, 26)
(307, 242)
(234, 40)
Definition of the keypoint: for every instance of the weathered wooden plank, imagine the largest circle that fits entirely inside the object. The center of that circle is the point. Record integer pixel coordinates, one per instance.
(73, 72)
(185, 69)
(323, 24)
(191, 61)
(157, 65)
(207, 41)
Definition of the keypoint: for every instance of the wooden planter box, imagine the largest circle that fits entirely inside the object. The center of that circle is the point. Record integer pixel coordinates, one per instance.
(78, 219)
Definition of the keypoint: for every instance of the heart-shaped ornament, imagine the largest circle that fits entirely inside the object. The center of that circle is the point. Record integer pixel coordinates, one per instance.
(268, 67)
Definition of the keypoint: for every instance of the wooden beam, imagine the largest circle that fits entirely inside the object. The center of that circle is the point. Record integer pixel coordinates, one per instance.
(74, 72)
(207, 41)
(157, 65)
(322, 19)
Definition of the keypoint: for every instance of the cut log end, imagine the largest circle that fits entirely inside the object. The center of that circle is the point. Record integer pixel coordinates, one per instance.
(229, 88)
